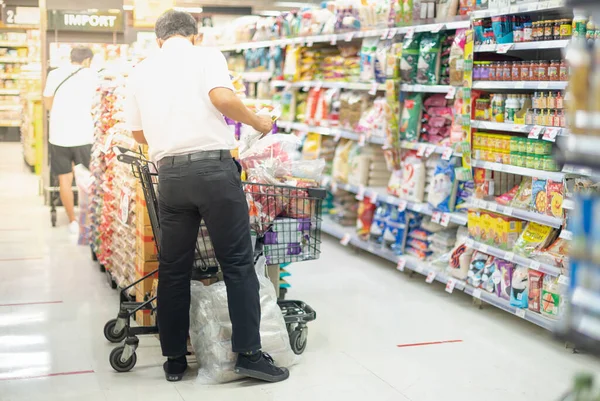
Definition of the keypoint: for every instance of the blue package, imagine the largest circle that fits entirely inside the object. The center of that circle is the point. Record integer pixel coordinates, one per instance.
(442, 195)
(519, 289)
(379, 221)
(395, 231)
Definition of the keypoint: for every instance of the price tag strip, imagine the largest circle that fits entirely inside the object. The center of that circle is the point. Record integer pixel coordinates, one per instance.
(373, 90)
(402, 204)
(436, 217)
(401, 264)
(431, 277)
(520, 312)
(345, 239)
(504, 48)
(447, 153)
(450, 284)
(445, 220)
(536, 131)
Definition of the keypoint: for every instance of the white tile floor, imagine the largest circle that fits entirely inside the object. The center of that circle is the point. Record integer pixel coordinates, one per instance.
(365, 308)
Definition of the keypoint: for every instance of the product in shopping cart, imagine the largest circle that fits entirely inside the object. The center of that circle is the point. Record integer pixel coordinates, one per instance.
(210, 329)
(519, 287)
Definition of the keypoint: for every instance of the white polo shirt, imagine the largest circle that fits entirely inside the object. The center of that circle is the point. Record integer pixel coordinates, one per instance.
(71, 122)
(167, 98)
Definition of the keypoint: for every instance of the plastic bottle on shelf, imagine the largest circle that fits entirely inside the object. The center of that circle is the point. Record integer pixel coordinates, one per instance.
(578, 95)
(511, 108)
(498, 108)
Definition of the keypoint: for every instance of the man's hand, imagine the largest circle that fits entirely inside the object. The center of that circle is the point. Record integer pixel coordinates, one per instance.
(263, 124)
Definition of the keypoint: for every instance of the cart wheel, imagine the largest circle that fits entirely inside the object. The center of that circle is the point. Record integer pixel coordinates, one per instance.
(298, 341)
(111, 335)
(94, 257)
(117, 364)
(53, 217)
(102, 268)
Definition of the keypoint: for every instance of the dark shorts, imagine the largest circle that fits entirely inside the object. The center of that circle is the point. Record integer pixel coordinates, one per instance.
(63, 158)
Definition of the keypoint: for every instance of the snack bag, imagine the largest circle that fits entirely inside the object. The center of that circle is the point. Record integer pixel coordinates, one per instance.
(504, 273)
(476, 268)
(508, 197)
(412, 187)
(428, 66)
(522, 199)
(366, 210)
(539, 198)
(410, 121)
(519, 288)
(555, 193)
(442, 194)
(535, 236)
(556, 254)
(551, 297)
(460, 260)
(457, 58)
(378, 225)
(535, 290)
(410, 59)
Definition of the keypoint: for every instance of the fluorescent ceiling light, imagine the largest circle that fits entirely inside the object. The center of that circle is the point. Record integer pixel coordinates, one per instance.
(127, 7)
(270, 13)
(193, 10)
(293, 4)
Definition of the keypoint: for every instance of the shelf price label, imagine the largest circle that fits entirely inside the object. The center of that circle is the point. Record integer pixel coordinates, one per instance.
(447, 153)
(419, 268)
(334, 186)
(450, 284)
(349, 37)
(436, 217)
(401, 264)
(429, 150)
(437, 27)
(520, 312)
(318, 85)
(451, 92)
(333, 40)
(360, 194)
(535, 132)
(306, 87)
(337, 134)
(309, 43)
(563, 280)
(362, 139)
(410, 32)
(421, 150)
(504, 48)
(469, 243)
(391, 34)
(445, 220)
(517, 128)
(431, 277)
(509, 256)
(402, 204)
(483, 248)
(384, 34)
(508, 211)
(566, 235)
(373, 90)
(477, 293)
(345, 239)
(535, 265)
(543, 85)
(550, 134)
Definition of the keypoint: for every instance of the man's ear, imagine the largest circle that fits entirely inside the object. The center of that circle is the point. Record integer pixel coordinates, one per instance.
(159, 42)
(196, 39)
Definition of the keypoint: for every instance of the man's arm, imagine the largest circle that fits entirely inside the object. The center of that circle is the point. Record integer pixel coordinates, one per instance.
(51, 84)
(232, 107)
(139, 137)
(48, 100)
(133, 116)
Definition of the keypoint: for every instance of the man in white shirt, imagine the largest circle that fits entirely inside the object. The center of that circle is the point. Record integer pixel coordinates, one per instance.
(176, 101)
(68, 95)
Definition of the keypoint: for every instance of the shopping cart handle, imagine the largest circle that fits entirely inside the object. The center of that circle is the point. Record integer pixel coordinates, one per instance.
(319, 193)
(124, 157)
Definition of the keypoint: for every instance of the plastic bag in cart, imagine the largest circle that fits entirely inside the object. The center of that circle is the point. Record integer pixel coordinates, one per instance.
(210, 329)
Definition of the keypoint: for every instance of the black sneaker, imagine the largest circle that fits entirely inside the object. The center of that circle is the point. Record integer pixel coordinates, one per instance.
(262, 369)
(175, 368)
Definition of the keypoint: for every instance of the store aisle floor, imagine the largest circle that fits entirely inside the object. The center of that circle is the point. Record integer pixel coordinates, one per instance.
(54, 303)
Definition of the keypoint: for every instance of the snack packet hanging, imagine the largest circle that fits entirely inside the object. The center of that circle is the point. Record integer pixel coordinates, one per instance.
(428, 66)
(410, 59)
(410, 122)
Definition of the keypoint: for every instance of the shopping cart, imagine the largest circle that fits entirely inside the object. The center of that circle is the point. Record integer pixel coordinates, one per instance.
(305, 203)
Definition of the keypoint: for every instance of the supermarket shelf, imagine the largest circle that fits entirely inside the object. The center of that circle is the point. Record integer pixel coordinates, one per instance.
(510, 127)
(349, 36)
(10, 107)
(529, 172)
(256, 76)
(518, 213)
(10, 123)
(14, 60)
(336, 132)
(381, 194)
(425, 88)
(511, 257)
(11, 76)
(582, 151)
(533, 85)
(423, 268)
(418, 145)
(9, 92)
(325, 84)
(523, 8)
(545, 44)
(4, 43)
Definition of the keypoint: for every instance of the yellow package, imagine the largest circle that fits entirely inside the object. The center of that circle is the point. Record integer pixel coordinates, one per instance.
(473, 221)
(507, 231)
(535, 236)
(312, 147)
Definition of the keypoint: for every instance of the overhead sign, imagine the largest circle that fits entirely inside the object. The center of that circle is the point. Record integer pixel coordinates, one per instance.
(96, 21)
(16, 15)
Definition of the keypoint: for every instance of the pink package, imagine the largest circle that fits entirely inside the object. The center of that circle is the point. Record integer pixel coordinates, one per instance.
(436, 101)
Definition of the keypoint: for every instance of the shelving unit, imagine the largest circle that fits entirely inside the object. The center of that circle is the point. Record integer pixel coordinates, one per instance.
(518, 213)
(541, 45)
(512, 85)
(510, 127)
(527, 172)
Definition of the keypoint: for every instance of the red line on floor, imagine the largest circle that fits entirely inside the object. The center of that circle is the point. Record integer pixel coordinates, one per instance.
(19, 259)
(429, 343)
(33, 303)
(80, 372)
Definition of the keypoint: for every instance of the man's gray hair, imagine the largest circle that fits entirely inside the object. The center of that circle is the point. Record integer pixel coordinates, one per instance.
(81, 53)
(175, 23)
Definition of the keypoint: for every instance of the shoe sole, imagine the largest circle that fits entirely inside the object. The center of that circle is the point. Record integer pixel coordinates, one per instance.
(173, 377)
(253, 374)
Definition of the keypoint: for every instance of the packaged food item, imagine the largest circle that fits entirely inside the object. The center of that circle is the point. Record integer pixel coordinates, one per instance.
(394, 236)
(479, 262)
(551, 304)
(488, 276)
(379, 220)
(523, 198)
(412, 187)
(535, 290)
(410, 122)
(555, 193)
(556, 254)
(504, 270)
(539, 198)
(428, 67)
(535, 236)
(508, 197)
(519, 288)
(410, 59)
(442, 195)
(366, 210)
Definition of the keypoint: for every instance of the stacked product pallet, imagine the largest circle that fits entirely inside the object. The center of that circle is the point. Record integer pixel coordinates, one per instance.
(465, 189)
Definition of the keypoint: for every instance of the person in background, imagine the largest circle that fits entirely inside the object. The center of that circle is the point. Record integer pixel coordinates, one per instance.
(175, 103)
(68, 95)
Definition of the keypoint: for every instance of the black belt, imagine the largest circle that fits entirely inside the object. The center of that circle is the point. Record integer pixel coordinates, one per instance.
(191, 157)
